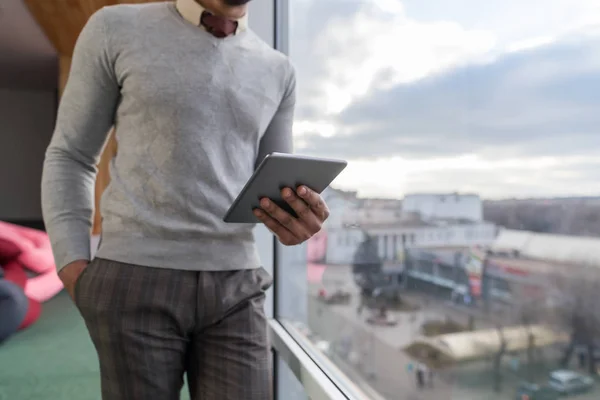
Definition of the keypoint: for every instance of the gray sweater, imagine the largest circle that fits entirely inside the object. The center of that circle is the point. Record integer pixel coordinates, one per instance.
(193, 116)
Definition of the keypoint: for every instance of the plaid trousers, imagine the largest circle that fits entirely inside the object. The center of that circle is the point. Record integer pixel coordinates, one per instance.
(152, 326)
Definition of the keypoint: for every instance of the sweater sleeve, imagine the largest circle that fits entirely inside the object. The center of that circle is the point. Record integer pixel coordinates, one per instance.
(279, 135)
(85, 116)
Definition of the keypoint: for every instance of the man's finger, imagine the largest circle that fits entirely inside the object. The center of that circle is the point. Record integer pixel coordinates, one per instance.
(285, 236)
(314, 201)
(284, 218)
(304, 212)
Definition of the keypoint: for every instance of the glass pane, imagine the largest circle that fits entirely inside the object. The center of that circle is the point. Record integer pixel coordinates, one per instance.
(288, 386)
(471, 131)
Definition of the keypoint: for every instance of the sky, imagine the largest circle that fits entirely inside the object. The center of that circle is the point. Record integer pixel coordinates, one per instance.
(496, 97)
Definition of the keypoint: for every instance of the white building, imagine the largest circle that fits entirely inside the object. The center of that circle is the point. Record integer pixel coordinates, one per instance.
(343, 242)
(458, 224)
(348, 209)
(341, 204)
(374, 211)
(444, 206)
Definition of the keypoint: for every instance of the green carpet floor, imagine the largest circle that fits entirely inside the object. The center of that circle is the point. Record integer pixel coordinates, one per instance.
(52, 360)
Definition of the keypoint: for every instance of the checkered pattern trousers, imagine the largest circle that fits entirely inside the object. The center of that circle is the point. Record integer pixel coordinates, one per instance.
(153, 326)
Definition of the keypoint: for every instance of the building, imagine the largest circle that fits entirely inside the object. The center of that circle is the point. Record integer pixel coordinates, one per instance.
(480, 276)
(513, 280)
(369, 210)
(395, 228)
(519, 270)
(342, 204)
(443, 243)
(393, 237)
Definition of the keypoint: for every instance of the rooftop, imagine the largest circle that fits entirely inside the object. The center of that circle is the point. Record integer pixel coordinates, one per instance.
(347, 194)
(445, 195)
(394, 224)
(561, 249)
(380, 203)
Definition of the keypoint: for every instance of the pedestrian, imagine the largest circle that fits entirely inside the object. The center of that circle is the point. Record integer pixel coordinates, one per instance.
(361, 304)
(430, 377)
(420, 375)
(197, 100)
(582, 358)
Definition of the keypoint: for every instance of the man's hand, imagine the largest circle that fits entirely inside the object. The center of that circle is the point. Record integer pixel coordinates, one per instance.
(70, 273)
(308, 205)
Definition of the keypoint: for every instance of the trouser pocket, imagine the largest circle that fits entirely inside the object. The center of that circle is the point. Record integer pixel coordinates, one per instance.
(79, 282)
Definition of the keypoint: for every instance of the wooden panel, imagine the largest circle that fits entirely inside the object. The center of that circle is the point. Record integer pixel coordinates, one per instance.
(62, 20)
(64, 64)
(103, 179)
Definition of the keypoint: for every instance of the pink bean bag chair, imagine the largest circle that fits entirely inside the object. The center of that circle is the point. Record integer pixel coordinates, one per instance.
(30, 249)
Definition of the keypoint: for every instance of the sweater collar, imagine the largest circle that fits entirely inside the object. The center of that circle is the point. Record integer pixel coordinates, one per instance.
(192, 11)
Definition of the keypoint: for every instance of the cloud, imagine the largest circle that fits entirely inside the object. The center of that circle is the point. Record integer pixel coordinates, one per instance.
(535, 102)
(511, 20)
(345, 49)
(494, 97)
(491, 178)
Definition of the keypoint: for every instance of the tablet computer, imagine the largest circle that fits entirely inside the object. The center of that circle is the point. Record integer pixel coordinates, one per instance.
(277, 171)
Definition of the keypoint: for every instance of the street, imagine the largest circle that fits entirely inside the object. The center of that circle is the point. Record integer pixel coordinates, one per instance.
(374, 352)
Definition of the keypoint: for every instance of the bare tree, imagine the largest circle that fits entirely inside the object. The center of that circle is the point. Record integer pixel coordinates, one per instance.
(527, 309)
(531, 310)
(577, 310)
(498, 360)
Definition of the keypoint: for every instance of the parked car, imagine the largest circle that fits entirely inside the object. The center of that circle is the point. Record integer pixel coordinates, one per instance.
(334, 296)
(378, 318)
(568, 382)
(533, 391)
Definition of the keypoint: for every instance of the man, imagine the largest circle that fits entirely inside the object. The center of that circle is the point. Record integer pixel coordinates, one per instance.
(197, 100)
(420, 374)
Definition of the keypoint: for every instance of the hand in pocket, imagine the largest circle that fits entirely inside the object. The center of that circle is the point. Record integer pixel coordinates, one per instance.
(70, 274)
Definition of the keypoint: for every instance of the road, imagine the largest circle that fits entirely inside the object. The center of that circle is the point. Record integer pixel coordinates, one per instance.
(376, 351)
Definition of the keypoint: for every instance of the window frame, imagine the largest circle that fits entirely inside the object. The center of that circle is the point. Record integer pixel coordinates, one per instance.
(321, 379)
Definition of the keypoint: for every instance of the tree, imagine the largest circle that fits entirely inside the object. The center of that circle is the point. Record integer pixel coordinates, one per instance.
(577, 310)
(498, 360)
(366, 264)
(530, 310)
(366, 258)
(527, 309)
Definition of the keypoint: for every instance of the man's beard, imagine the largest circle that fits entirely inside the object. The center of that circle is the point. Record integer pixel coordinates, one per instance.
(234, 3)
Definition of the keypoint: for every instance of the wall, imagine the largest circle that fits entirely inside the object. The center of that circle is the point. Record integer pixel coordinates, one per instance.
(26, 125)
(27, 59)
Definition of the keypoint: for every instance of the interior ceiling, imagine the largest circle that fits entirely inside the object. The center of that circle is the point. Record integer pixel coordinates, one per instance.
(27, 58)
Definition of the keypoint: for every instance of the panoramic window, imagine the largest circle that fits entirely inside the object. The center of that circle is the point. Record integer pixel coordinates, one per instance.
(462, 256)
